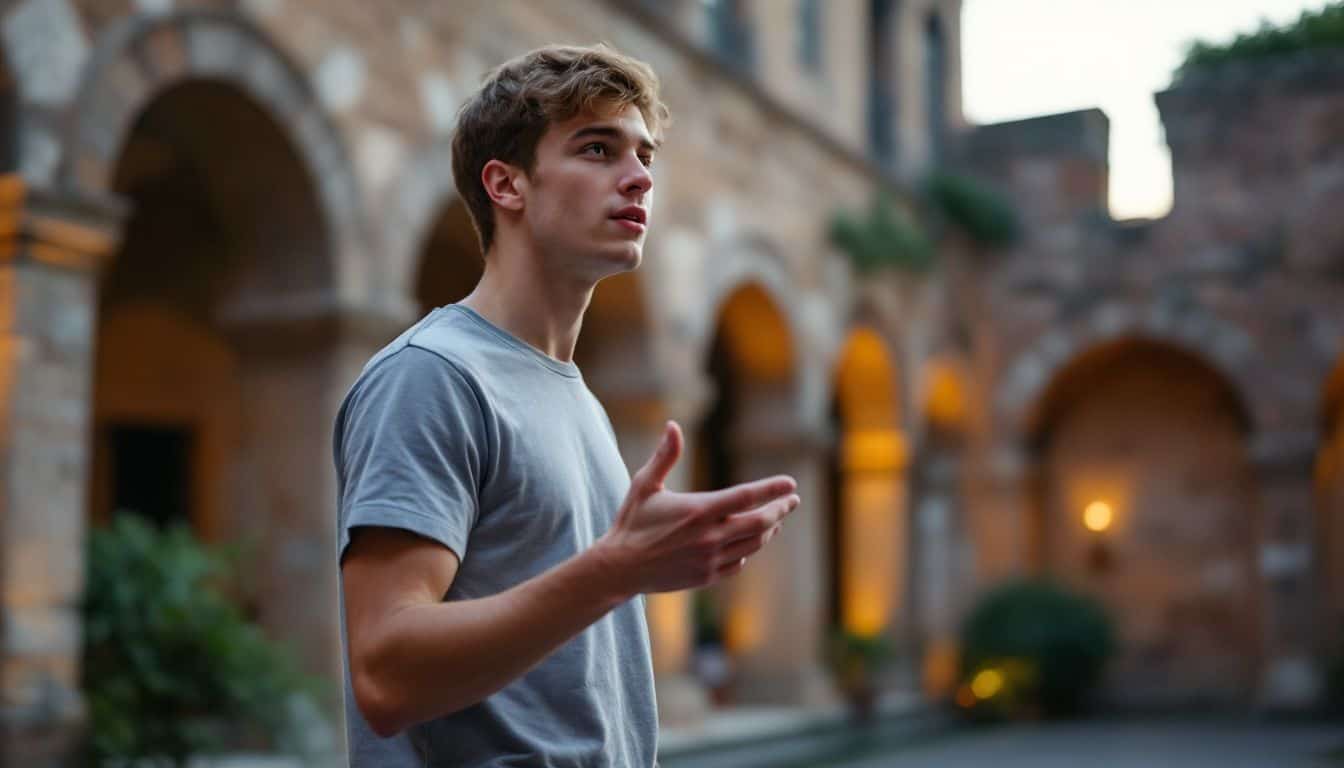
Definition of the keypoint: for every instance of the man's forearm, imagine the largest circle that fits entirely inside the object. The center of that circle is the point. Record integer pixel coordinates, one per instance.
(435, 659)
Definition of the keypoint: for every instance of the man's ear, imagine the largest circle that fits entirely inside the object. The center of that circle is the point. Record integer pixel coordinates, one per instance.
(501, 182)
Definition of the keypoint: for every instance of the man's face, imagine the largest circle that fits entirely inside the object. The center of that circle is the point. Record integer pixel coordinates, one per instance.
(589, 195)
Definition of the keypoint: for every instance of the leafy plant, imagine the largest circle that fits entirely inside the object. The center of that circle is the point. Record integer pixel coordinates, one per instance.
(965, 203)
(1033, 648)
(171, 668)
(1313, 29)
(856, 659)
(883, 237)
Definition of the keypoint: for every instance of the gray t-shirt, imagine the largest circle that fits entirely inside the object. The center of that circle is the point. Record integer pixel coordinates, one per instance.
(461, 433)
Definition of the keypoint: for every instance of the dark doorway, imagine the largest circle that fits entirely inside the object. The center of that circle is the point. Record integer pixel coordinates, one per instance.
(151, 472)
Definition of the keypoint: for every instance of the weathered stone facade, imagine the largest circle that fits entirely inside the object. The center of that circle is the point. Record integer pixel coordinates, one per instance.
(216, 211)
(219, 210)
(1241, 286)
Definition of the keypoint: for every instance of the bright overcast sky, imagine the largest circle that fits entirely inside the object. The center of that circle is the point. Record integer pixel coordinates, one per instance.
(1033, 57)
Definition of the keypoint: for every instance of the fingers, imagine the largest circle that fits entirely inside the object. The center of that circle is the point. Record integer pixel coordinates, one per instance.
(731, 569)
(760, 520)
(740, 498)
(745, 547)
(650, 478)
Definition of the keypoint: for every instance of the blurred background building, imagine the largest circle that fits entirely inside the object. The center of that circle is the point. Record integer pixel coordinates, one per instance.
(213, 213)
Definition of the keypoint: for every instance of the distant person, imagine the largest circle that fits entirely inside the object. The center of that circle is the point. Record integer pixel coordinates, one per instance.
(494, 549)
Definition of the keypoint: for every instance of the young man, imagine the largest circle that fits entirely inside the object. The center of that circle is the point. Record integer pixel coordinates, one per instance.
(494, 549)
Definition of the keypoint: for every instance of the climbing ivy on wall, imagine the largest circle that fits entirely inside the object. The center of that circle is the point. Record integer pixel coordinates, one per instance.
(1313, 29)
(884, 236)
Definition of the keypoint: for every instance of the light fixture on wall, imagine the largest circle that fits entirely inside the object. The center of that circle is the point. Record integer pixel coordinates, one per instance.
(1097, 518)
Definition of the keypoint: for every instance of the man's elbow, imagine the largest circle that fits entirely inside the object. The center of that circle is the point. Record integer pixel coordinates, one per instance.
(381, 707)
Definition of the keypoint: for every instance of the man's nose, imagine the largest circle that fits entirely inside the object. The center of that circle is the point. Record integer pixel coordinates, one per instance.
(638, 180)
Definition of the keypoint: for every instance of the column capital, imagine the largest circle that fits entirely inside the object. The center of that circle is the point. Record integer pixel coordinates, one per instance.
(58, 228)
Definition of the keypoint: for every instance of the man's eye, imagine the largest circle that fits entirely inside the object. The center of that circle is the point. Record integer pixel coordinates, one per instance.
(600, 149)
(647, 160)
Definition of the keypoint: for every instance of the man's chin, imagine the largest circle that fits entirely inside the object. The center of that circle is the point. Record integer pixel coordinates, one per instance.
(626, 259)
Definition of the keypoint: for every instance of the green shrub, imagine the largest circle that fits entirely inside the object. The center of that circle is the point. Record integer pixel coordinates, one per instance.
(856, 660)
(1033, 648)
(171, 668)
(884, 237)
(980, 212)
(1313, 29)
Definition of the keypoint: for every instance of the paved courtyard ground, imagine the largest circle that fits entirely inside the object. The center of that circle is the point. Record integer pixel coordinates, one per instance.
(1125, 745)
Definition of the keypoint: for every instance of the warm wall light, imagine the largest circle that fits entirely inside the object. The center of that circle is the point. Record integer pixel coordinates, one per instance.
(987, 683)
(1097, 516)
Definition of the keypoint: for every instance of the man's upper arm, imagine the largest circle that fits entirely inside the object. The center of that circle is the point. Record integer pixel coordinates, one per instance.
(410, 451)
(385, 570)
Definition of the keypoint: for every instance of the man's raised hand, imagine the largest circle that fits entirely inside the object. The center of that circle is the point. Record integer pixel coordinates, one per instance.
(664, 541)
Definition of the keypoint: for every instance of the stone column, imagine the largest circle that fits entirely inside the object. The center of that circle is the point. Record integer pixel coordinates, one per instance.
(638, 415)
(50, 250)
(1283, 466)
(941, 565)
(776, 617)
(296, 365)
(1005, 520)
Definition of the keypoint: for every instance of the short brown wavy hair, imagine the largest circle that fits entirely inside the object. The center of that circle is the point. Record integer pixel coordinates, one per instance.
(520, 99)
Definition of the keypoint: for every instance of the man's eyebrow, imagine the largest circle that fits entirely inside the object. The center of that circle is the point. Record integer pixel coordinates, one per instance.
(610, 132)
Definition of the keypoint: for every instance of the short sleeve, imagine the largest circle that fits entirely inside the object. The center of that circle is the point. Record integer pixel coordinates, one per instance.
(410, 445)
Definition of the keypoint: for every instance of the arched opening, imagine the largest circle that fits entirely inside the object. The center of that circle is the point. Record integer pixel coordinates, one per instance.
(1330, 507)
(1145, 500)
(450, 259)
(869, 529)
(750, 366)
(942, 577)
(223, 220)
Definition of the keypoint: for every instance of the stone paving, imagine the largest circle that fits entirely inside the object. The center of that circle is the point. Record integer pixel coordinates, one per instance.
(1126, 745)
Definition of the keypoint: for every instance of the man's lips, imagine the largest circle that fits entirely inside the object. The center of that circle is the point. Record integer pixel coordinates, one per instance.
(633, 226)
(632, 213)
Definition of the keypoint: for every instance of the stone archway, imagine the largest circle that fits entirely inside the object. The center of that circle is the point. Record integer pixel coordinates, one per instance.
(138, 58)
(773, 614)
(244, 241)
(1226, 347)
(1145, 497)
(869, 537)
(941, 578)
(226, 226)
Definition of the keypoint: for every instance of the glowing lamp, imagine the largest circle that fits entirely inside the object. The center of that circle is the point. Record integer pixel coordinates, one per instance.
(1098, 516)
(986, 683)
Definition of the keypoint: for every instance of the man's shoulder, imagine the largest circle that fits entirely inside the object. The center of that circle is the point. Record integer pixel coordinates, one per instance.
(440, 340)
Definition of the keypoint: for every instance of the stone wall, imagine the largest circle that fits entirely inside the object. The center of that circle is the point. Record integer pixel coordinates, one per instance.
(364, 97)
(1244, 274)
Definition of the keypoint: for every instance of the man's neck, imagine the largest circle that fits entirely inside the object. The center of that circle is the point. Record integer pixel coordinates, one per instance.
(546, 311)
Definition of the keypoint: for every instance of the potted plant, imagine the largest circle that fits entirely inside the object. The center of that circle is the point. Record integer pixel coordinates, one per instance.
(857, 661)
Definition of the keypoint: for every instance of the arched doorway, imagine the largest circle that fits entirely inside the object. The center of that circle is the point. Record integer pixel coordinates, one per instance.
(769, 618)
(869, 536)
(1145, 499)
(194, 420)
(941, 552)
